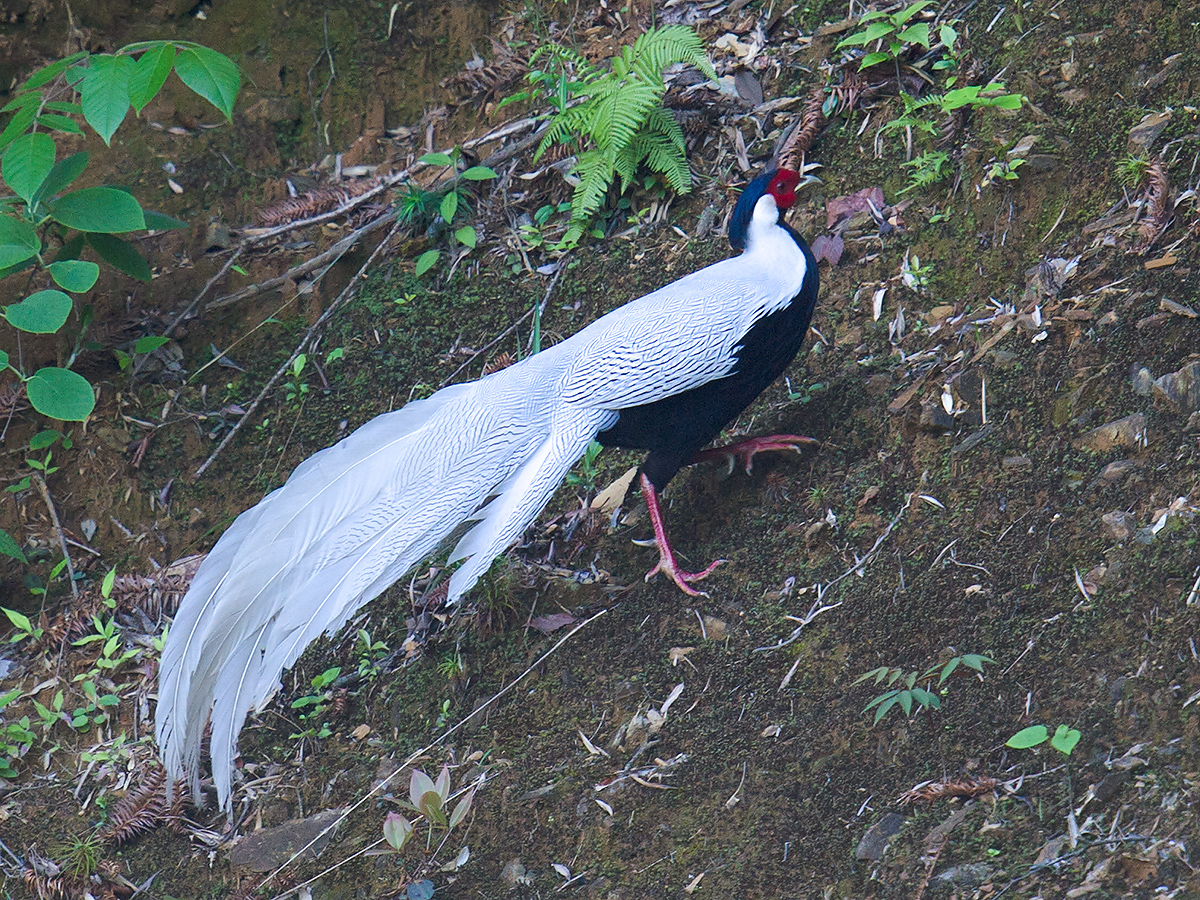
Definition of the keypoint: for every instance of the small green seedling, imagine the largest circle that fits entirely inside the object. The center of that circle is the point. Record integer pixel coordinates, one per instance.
(1063, 740)
(909, 694)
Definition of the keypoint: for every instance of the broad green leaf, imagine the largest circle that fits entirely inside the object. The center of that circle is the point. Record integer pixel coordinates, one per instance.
(872, 32)
(42, 313)
(210, 74)
(150, 343)
(121, 255)
(59, 123)
(106, 586)
(1008, 101)
(65, 171)
(44, 439)
(1028, 737)
(71, 109)
(102, 210)
(916, 34)
(50, 72)
(156, 221)
(9, 547)
(149, 74)
(21, 101)
(74, 275)
(466, 235)
(17, 125)
(18, 241)
(449, 207)
(908, 12)
(27, 162)
(437, 159)
(61, 394)
(1065, 739)
(947, 36)
(478, 173)
(442, 785)
(3, 360)
(462, 808)
(19, 619)
(104, 92)
(872, 59)
(426, 260)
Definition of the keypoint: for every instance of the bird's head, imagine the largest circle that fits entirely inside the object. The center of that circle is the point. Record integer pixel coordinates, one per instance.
(774, 191)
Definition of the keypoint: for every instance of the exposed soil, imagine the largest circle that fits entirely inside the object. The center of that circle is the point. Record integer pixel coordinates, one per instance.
(965, 499)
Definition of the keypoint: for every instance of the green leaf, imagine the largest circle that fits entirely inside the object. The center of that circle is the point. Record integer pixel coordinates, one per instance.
(149, 74)
(156, 221)
(1008, 101)
(872, 59)
(104, 92)
(916, 34)
(1065, 739)
(22, 101)
(42, 313)
(101, 210)
(947, 36)
(426, 260)
(107, 585)
(150, 343)
(74, 275)
(478, 173)
(449, 207)
(210, 74)
(27, 162)
(872, 32)
(466, 235)
(44, 439)
(65, 171)
(59, 123)
(9, 547)
(437, 159)
(397, 830)
(61, 394)
(1028, 737)
(18, 124)
(19, 619)
(71, 109)
(907, 13)
(18, 241)
(50, 72)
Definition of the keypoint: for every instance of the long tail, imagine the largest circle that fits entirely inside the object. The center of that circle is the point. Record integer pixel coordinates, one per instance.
(349, 522)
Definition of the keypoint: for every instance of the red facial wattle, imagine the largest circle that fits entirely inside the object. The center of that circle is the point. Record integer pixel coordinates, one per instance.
(783, 188)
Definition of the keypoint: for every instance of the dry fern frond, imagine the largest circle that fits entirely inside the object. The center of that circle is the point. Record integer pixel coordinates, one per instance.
(940, 790)
(1158, 205)
(315, 202)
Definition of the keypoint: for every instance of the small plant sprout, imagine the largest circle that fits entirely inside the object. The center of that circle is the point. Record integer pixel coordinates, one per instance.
(909, 693)
(588, 470)
(1063, 740)
(316, 703)
(427, 798)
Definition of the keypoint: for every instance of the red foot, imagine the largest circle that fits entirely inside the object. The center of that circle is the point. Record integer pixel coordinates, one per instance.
(745, 451)
(666, 558)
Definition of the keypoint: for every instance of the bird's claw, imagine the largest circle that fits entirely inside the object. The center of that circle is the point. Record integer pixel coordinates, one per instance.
(667, 566)
(745, 451)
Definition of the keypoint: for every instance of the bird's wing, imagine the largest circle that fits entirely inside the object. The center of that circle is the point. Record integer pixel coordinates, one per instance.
(667, 342)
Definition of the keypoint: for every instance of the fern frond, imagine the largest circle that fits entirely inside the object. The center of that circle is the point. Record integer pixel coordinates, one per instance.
(664, 122)
(621, 114)
(576, 120)
(595, 171)
(662, 156)
(659, 48)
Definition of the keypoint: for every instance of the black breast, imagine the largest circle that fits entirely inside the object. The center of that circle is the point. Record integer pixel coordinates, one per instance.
(674, 428)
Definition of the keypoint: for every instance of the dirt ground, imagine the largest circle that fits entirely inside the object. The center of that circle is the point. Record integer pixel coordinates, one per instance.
(1004, 377)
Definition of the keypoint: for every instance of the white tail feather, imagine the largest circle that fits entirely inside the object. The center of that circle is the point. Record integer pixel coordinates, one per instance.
(349, 522)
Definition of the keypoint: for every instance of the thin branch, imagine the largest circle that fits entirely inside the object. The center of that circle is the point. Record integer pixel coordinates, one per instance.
(309, 336)
(62, 538)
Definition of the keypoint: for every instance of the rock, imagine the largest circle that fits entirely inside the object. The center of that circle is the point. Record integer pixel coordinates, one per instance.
(1142, 381)
(1120, 525)
(1127, 432)
(217, 237)
(513, 873)
(270, 848)
(1017, 464)
(1040, 162)
(968, 875)
(875, 841)
(1180, 390)
(1144, 133)
(935, 418)
(1021, 149)
(1119, 470)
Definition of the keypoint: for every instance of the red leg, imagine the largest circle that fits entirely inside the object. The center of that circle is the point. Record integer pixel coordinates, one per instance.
(745, 451)
(666, 558)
